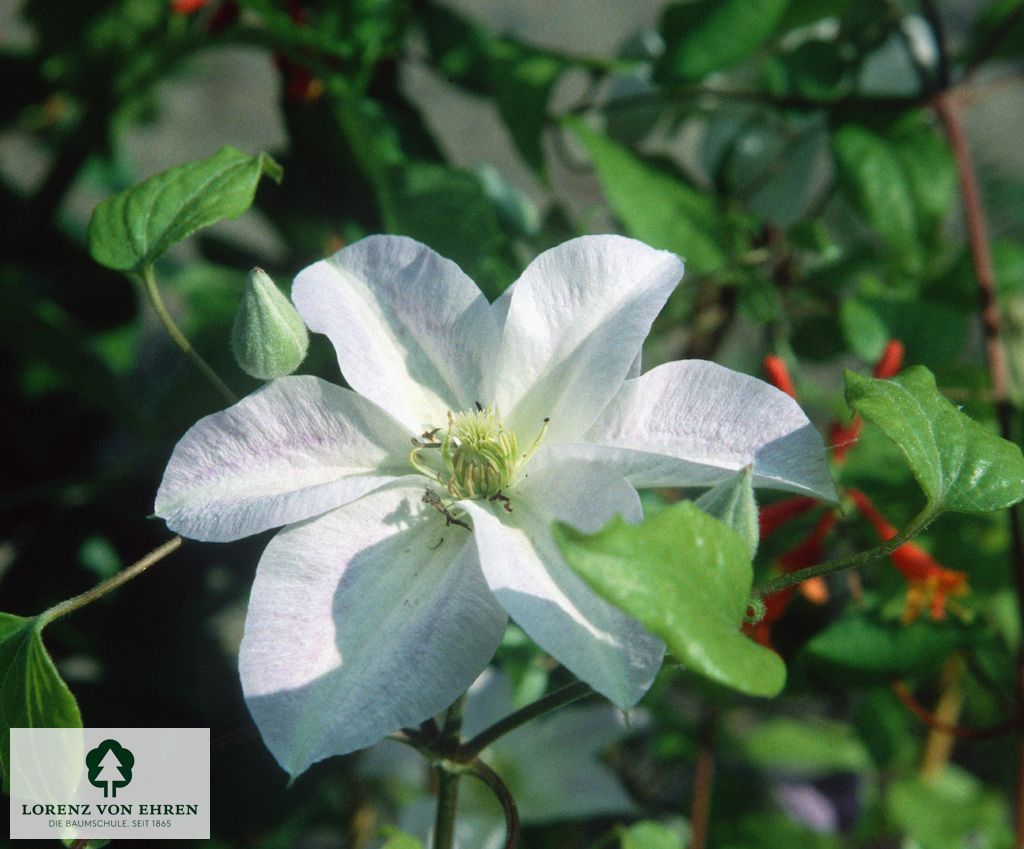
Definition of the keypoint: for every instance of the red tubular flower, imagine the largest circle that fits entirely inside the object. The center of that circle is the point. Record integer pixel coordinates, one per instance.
(929, 583)
(226, 15)
(187, 7)
(807, 553)
(891, 361)
(774, 516)
(778, 374)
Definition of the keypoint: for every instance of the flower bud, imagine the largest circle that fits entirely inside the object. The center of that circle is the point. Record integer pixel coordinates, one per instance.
(269, 338)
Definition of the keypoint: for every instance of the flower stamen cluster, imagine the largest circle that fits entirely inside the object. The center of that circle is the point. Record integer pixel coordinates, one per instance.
(480, 455)
(477, 458)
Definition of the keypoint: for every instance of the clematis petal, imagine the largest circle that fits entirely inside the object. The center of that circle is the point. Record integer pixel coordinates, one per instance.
(691, 423)
(372, 617)
(599, 643)
(412, 332)
(293, 449)
(576, 320)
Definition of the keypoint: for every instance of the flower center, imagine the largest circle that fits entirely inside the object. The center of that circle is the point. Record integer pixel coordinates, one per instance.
(478, 457)
(479, 454)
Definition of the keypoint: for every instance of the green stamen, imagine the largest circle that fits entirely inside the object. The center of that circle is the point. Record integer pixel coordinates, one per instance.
(478, 457)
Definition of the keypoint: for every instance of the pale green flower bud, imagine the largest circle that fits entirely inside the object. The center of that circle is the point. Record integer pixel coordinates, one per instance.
(269, 338)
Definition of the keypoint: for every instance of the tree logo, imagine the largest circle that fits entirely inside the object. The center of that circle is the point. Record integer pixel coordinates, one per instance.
(110, 766)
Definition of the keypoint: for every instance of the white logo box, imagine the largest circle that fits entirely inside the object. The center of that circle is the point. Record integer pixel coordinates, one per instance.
(78, 783)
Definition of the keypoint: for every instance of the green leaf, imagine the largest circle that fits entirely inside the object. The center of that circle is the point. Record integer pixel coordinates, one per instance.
(814, 69)
(869, 166)
(773, 830)
(810, 747)
(648, 834)
(401, 840)
(710, 35)
(951, 809)
(522, 82)
(998, 25)
(864, 331)
(932, 332)
(448, 210)
(959, 464)
(32, 693)
(927, 163)
(686, 577)
(862, 647)
(732, 501)
(653, 206)
(131, 229)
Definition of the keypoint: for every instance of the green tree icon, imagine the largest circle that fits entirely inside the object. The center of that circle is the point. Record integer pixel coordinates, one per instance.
(110, 766)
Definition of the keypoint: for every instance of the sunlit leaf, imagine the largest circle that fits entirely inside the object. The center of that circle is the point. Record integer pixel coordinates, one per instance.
(686, 577)
(32, 693)
(880, 187)
(810, 747)
(709, 35)
(648, 834)
(133, 228)
(654, 206)
(951, 809)
(959, 464)
(401, 840)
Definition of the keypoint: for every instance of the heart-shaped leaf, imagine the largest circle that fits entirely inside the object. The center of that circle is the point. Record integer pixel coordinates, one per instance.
(131, 229)
(686, 576)
(959, 464)
(32, 693)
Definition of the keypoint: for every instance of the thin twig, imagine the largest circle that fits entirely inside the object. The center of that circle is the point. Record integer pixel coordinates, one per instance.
(910, 702)
(571, 693)
(448, 780)
(948, 107)
(703, 782)
(153, 293)
(111, 584)
(478, 769)
(791, 579)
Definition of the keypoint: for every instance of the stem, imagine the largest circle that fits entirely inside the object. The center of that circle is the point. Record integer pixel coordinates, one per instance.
(111, 584)
(949, 110)
(488, 776)
(447, 802)
(939, 745)
(791, 579)
(149, 281)
(564, 696)
(448, 780)
(932, 719)
(703, 781)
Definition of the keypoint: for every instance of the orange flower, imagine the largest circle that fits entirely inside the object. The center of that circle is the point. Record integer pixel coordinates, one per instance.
(929, 583)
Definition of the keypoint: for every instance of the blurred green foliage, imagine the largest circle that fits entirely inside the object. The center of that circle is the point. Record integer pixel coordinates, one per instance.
(786, 148)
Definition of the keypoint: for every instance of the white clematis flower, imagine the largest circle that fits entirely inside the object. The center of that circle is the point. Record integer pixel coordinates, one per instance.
(388, 591)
